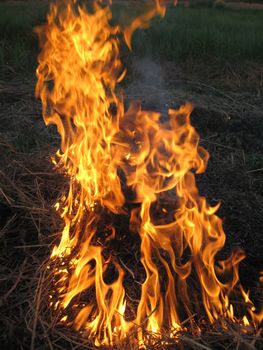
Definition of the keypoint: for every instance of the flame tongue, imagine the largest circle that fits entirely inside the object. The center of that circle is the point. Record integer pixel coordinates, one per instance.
(79, 67)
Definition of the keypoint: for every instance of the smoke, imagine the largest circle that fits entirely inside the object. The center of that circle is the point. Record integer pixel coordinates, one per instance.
(149, 85)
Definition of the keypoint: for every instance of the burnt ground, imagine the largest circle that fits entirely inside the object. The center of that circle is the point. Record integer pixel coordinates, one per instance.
(229, 117)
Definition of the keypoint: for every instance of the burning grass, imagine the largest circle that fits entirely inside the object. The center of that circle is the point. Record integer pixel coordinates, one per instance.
(28, 188)
(29, 225)
(24, 191)
(26, 319)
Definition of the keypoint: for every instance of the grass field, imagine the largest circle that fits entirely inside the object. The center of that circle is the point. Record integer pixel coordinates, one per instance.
(203, 34)
(185, 33)
(210, 57)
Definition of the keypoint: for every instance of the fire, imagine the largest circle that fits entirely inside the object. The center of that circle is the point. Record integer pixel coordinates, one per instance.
(130, 164)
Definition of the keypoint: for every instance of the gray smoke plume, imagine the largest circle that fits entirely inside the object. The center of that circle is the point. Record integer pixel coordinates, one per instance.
(148, 85)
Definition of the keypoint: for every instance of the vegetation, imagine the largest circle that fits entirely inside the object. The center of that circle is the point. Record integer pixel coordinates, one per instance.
(196, 33)
(18, 43)
(203, 33)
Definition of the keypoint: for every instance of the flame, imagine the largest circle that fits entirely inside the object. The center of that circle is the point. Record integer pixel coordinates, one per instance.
(106, 153)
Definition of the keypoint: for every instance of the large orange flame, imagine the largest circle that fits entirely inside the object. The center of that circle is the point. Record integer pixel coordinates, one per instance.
(106, 153)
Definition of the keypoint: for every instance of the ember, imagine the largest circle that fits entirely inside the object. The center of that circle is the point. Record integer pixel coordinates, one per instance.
(131, 178)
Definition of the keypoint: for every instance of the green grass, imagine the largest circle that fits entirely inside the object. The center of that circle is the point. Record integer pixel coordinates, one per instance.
(202, 34)
(196, 33)
(18, 43)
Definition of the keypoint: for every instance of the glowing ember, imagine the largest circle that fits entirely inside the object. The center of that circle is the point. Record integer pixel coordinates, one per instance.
(133, 167)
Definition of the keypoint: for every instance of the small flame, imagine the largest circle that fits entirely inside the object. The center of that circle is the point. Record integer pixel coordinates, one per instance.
(79, 68)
